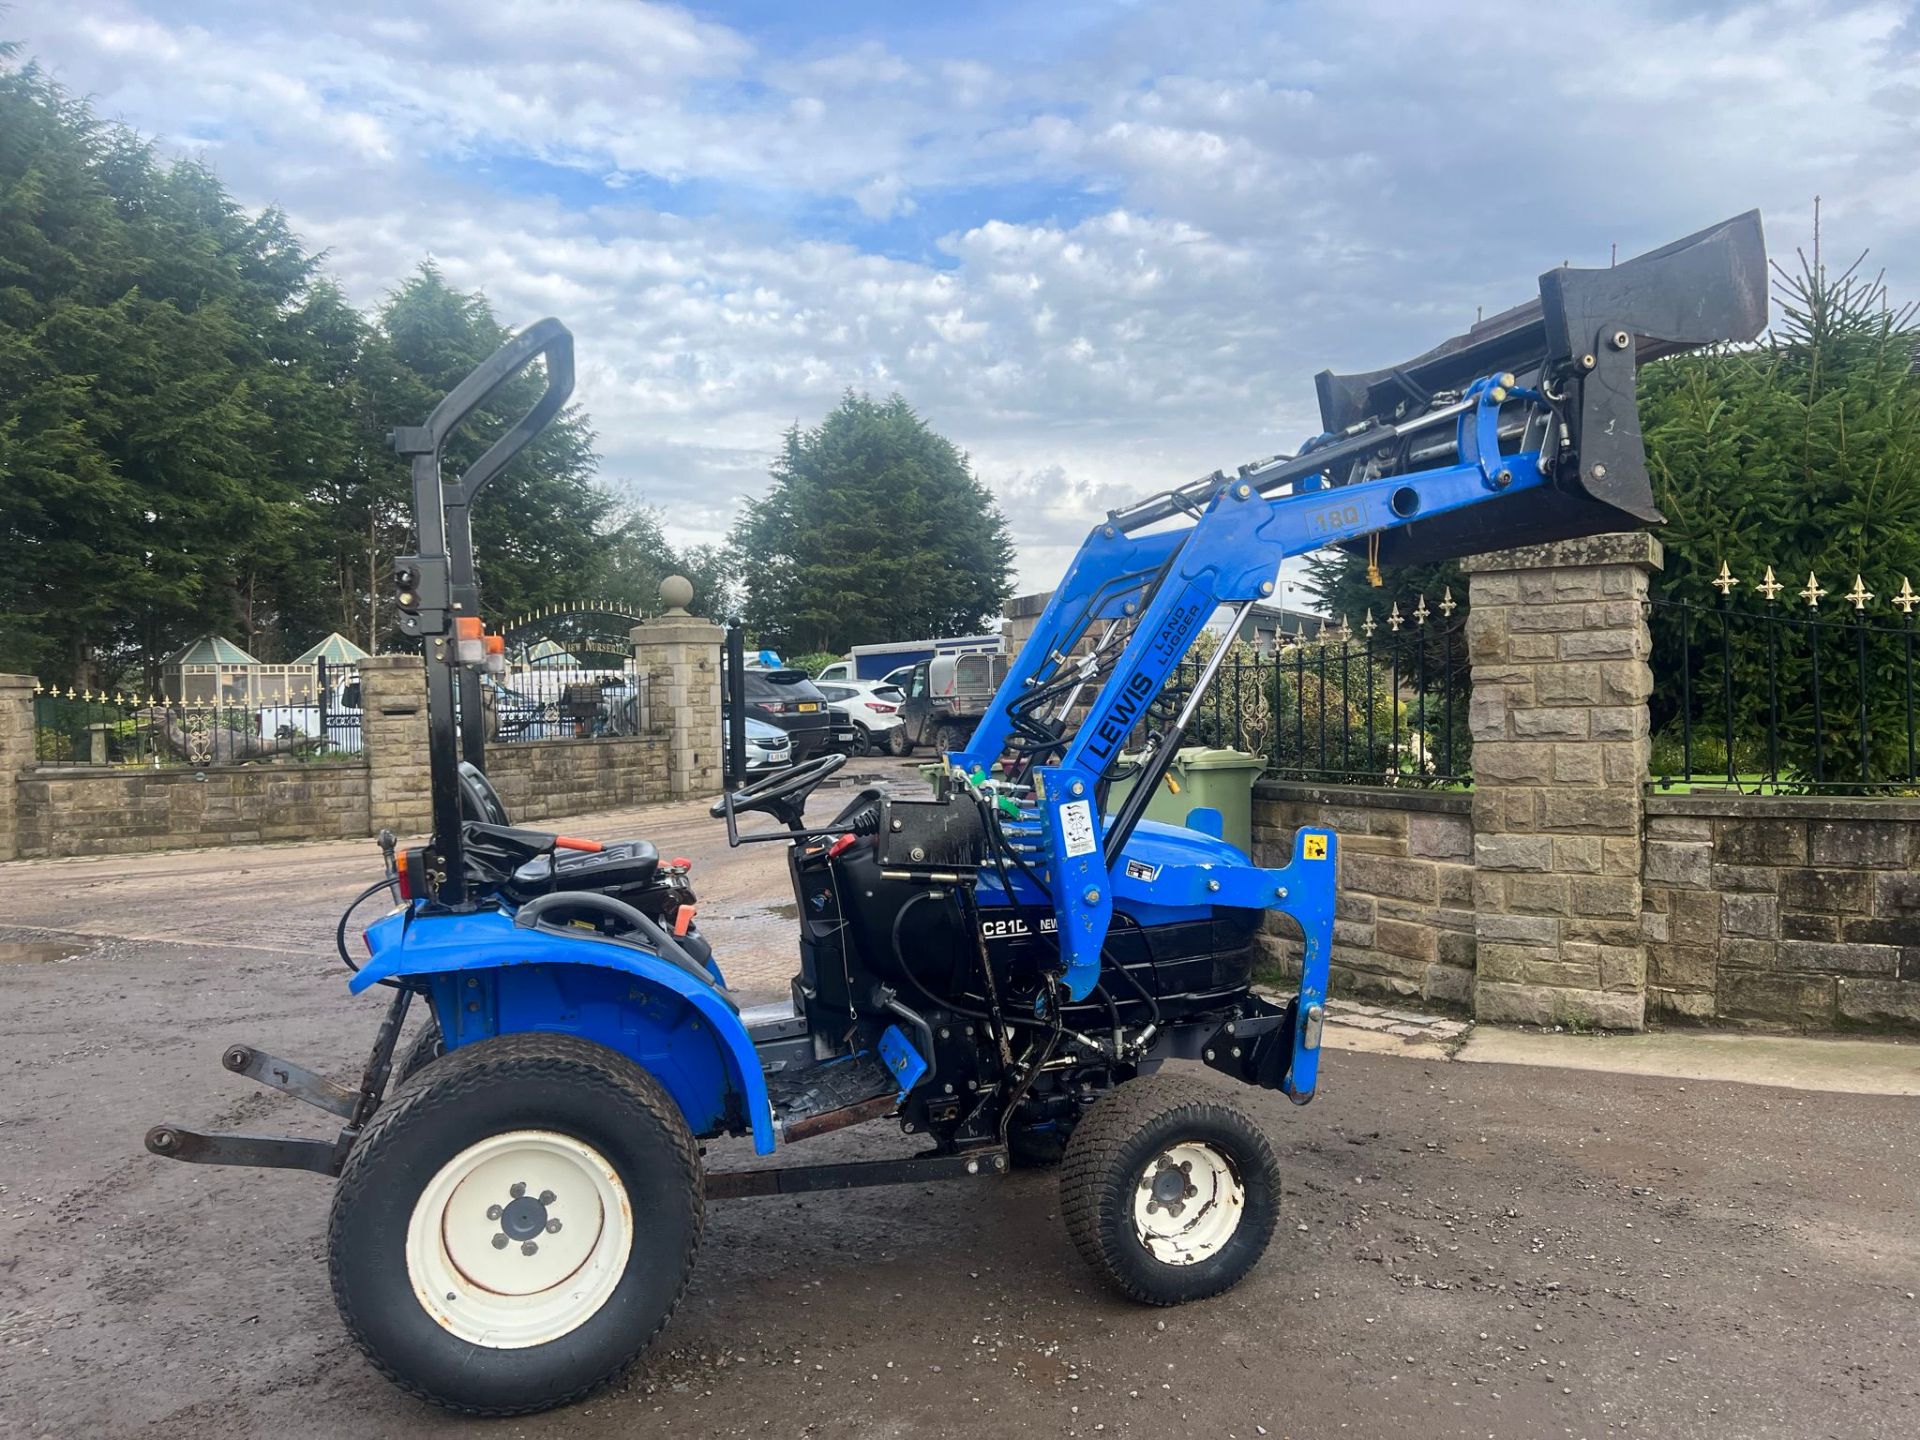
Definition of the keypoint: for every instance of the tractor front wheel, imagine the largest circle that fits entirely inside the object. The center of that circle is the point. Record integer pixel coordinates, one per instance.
(516, 1224)
(1169, 1192)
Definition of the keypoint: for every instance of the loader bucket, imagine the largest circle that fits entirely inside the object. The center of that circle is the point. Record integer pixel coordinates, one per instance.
(1585, 338)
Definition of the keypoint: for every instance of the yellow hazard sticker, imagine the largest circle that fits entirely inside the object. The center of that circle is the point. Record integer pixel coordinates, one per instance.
(1313, 847)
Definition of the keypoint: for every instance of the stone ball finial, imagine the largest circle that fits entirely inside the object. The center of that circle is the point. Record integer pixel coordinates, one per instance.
(676, 593)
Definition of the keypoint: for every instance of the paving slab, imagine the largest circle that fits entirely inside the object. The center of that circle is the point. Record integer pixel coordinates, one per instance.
(1853, 1067)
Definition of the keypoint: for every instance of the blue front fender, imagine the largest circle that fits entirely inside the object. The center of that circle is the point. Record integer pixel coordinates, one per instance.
(487, 977)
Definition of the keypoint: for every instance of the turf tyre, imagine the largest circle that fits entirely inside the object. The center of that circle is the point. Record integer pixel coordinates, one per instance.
(426, 1048)
(1116, 1147)
(512, 1085)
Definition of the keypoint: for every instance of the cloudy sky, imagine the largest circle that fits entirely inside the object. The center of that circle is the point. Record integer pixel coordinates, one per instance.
(1103, 246)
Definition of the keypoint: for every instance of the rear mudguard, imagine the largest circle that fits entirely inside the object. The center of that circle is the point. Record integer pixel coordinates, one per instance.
(486, 976)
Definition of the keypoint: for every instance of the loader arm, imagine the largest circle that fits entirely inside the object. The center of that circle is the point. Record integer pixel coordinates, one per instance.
(1529, 420)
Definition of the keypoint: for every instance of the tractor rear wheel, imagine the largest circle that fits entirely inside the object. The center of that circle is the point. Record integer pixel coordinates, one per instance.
(483, 1243)
(426, 1048)
(1169, 1192)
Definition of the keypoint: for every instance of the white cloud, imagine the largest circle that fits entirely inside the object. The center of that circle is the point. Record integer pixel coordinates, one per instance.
(1160, 220)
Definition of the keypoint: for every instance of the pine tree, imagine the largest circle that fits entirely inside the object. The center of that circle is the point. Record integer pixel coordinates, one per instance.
(1803, 454)
(169, 420)
(875, 529)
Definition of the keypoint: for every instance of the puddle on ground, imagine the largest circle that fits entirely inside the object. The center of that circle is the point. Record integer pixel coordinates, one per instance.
(785, 910)
(31, 952)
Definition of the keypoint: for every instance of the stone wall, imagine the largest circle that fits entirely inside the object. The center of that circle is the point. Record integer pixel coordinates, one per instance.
(1792, 909)
(1022, 613)
(63, 810)
(540, 779)
(70, 810)
(1404, 925)
(83, 811)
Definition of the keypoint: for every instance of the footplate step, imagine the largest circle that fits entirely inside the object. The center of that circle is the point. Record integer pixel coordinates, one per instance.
(813, 1099)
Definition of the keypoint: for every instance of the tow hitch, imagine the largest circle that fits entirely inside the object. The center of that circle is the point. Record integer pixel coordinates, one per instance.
(293, 1152)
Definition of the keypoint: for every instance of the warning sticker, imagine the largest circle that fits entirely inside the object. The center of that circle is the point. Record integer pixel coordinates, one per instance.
(1313, 847)
(1140, 870)
(1076, 828)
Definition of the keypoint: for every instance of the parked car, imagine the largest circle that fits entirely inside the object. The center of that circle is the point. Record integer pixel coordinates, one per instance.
(788, 699)
(768, 747)
(946, 697)
(874, 709)
(847, 738)
(608, 705)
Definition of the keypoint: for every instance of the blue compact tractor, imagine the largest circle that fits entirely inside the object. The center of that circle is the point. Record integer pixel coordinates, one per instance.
(1003, 970)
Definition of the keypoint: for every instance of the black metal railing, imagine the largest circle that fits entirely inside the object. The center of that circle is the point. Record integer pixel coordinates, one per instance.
(1763, 695)
(574, 703)
(1384, 704)
(117, 729)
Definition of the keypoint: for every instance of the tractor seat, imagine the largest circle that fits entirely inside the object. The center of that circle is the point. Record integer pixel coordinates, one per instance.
(617, 867)
(627, 863)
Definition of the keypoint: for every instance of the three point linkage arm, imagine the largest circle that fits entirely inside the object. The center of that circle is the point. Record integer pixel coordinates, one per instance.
(1528, 420)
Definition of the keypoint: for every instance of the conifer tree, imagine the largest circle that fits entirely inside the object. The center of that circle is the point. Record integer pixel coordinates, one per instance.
(875, 529)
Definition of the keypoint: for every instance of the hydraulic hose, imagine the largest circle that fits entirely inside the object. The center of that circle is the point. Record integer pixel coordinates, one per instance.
(900, 959)
(1002, 849)
(340, 930)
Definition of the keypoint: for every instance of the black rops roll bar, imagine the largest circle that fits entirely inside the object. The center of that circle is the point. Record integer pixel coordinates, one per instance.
(438, 586)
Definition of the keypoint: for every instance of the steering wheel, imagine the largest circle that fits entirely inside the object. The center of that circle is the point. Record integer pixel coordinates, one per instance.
(779, 788)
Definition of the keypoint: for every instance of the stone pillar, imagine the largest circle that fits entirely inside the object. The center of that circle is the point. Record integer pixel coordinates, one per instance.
(1023, 613)
(393, 733)
(16, 755)
(1559, 644)
(680, 656)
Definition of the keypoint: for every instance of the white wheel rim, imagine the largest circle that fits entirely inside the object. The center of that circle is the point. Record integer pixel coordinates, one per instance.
(519, 1239)
(1187, 1204)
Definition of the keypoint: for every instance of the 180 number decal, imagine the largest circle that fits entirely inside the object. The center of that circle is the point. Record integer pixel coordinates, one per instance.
(1334, 517)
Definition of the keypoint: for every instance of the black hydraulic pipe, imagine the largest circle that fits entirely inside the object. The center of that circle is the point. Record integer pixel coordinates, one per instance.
(1270, 475)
